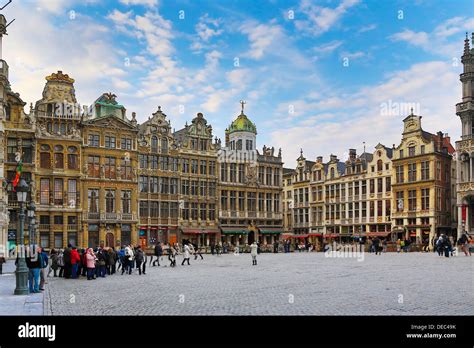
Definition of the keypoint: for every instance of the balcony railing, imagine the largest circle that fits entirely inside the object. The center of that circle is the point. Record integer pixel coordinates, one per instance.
(127, 216)
(93, 216)
(111, 216)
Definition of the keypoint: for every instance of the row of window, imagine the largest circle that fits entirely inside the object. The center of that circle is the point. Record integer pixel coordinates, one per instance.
(158, 162)
(110, 168)
(165, 210)
(235, 200)
(110, 142)
(165, 185)
(355, 188)
(54, 191)
(412, 151)
(238, 145)
(412, 198)
(110, 196)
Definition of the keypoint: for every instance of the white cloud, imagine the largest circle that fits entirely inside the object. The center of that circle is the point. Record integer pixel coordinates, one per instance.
(415, 38)
(321, 19)
(262, 37)
(148, 3)
(366, 28)
(356, 117)
(328, 47)
(436, 41)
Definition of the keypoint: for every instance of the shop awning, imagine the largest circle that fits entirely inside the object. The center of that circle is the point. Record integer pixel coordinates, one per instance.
(271, 231)
(334, 235)
(234, 231)
(377, 234)
(190, 231)
(198, 231)
(315, 235)
(300, 236)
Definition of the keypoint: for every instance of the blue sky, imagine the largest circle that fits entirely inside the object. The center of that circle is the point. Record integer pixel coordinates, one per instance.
(314, 73)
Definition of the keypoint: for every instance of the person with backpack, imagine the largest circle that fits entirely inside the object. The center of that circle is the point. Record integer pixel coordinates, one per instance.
(121, 258)
(158, 253)
(101, 257)
(128, 258)
(53, 263)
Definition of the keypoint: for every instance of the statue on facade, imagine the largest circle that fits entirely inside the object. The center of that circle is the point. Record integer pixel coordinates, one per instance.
(102, 170)
(119, 172)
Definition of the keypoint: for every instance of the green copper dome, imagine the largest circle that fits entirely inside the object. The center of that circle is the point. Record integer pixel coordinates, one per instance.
(242, 124)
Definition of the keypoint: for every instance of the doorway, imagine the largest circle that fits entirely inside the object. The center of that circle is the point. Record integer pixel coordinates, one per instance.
(109, 240)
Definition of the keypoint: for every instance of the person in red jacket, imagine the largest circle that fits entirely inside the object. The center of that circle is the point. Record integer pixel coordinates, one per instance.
(75, 259)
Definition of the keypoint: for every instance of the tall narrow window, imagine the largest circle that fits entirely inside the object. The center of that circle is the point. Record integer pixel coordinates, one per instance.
(44, 191)
(110, 201)
(110, 167)
(45, 160)
(126, 202)
(93, 166)
(154, 144)
(58, 191)
(93, 196)
(72, 193)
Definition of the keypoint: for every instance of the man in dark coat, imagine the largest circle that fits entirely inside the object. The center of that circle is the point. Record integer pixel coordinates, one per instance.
(67, 262)
(158, 254)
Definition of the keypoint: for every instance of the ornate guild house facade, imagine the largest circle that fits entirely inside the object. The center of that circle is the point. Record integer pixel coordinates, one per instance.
(250, 187)
(465, 146)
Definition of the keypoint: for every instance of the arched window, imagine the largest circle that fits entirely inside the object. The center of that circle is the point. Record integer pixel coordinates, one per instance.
(379, 165)
(58, 157)
(332, 173)
(154, 144)
(239, 144)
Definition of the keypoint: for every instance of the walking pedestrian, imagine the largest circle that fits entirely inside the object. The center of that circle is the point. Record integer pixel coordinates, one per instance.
(186, 254)
(375, 244)
(197, 252)
(158, 253)
(385, 244)
(139, 259)
(464, 242)
(254, 252)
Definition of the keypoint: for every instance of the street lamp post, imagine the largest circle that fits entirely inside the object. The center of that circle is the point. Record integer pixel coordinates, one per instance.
(32, 223)
(21, 272)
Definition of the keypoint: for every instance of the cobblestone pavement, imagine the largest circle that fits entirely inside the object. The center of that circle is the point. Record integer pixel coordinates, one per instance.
(281, 284)
(11, 304)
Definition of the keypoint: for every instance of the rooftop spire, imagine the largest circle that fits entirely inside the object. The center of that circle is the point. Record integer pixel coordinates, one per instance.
(242, 102)
(466, 45)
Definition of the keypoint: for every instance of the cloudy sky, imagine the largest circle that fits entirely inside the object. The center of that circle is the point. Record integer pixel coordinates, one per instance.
(324, 75)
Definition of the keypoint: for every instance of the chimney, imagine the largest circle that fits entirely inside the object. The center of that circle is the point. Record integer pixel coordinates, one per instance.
(319, 159)
(333, 158)
(352, 154)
